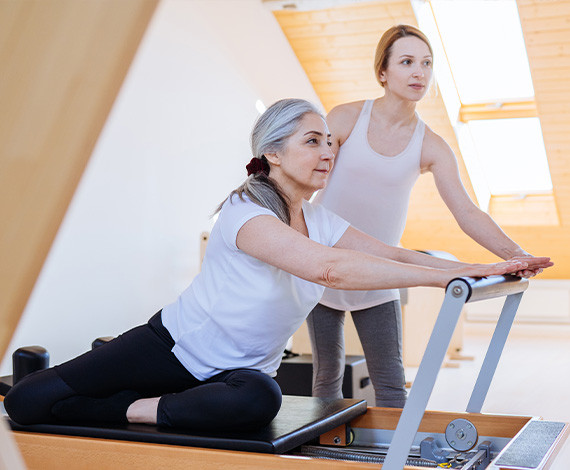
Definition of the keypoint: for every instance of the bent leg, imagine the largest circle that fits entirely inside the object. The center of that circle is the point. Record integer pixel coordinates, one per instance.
(139, 359)
(326, 330)
(232, 400)
(44, 397)
(380, 332)
(109, 378)
(31, 399)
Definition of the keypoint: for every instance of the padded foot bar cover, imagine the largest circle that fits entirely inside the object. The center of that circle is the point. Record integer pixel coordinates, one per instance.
(531, 446)
(300, 420)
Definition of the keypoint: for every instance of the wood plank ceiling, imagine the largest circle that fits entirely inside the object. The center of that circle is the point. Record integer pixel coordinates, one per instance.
(336, 48)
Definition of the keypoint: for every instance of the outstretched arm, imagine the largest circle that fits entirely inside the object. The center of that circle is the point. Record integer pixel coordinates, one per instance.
(273, 242)
(438, 158)
(354, 239)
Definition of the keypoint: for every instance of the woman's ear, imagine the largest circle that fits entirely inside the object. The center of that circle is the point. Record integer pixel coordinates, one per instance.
(273, 158)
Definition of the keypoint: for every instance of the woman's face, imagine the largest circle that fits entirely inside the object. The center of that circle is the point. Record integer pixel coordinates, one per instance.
(305, 162)
(409, 69)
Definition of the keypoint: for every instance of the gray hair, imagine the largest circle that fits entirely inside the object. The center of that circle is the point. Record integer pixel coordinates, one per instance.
(270, 134)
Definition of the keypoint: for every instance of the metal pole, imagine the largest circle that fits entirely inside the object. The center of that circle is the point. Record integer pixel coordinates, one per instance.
(494, 353)
(424, 382)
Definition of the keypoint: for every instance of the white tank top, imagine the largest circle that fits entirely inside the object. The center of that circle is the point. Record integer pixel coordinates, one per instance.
(372, 192)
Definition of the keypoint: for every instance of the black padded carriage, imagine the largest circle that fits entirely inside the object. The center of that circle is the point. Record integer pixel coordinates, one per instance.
(300, 420)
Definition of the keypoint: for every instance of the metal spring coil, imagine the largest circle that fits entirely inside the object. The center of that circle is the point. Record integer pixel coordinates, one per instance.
(321, 453)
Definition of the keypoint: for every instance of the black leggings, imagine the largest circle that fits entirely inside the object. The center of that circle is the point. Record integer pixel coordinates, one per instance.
(140, 361)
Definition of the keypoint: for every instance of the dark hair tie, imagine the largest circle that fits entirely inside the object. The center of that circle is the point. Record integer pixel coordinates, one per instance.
(257, 165)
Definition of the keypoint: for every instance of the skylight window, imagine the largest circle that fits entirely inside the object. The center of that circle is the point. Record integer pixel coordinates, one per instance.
(485, 47)
(486, 81)
(512, 153)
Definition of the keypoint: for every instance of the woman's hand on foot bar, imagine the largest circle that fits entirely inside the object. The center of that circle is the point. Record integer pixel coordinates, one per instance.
(536, 264)
(484, 270)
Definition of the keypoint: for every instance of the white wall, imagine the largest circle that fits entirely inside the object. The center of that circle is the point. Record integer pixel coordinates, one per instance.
(545, 301)
(175, 144)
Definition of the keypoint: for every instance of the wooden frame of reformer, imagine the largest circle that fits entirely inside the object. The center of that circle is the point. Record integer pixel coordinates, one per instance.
(47, 452)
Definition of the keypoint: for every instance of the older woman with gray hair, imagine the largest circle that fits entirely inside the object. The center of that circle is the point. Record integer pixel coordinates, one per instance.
(207, 360)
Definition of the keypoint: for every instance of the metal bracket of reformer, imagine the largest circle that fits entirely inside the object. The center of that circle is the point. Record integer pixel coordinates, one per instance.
(458, 292)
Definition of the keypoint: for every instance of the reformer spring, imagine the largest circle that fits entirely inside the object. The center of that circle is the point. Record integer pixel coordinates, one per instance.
(342, 454)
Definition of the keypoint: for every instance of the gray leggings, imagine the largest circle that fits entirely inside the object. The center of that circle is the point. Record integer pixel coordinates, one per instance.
(380, 332)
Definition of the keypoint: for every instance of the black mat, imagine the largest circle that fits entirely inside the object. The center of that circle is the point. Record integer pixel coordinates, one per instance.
(300, 420)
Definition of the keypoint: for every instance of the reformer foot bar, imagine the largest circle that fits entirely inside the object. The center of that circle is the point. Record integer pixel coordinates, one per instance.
(346, 433)
(458, 292)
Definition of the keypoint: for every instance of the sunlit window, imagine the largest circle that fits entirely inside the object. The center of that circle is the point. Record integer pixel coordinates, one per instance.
(512, 154)
(482, 43)
(485, 47)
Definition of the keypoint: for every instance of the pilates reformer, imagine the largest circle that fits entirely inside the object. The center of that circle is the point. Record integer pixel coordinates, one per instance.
(314, 433)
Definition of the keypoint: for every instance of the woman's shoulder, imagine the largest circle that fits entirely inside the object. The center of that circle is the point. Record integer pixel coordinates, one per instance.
(342, 119)
(347, 110)
(435, 150)
(235, 212)
(433, 141)
(237, 207)
(242, 203)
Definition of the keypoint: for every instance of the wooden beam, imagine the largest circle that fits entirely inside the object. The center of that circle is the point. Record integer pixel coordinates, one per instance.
(63, 62)
(499, 110)
(376, 11)
(535, 209)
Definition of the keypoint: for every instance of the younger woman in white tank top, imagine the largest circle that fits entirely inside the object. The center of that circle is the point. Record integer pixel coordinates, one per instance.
(381, 147)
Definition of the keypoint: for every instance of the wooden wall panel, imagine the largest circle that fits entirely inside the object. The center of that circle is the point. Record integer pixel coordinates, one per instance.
(336, 48)
(546, 29)
(63, 63)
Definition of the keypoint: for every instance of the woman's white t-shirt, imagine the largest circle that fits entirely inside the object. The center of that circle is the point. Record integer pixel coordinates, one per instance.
(239, 312)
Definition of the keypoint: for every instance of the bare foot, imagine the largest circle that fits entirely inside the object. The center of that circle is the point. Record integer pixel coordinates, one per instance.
(143, 411)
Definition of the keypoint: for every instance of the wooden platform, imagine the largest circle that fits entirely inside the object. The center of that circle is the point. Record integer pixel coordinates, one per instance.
(49, 451)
